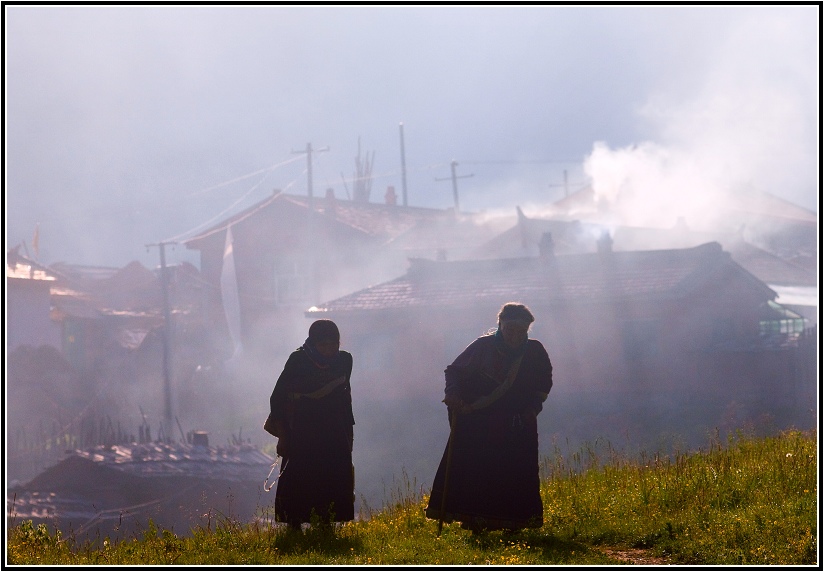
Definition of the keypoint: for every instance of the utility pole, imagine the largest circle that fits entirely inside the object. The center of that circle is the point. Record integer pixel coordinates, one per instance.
(309, 152)
(455, 178)
(565, 184)
(403, 168)
(311, 239)
(166, 335)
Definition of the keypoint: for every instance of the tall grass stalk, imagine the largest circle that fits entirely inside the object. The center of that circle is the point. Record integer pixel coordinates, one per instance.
(749, 501)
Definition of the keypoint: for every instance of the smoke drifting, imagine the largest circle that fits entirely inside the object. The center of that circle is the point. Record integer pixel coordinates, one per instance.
(124, 125)
(117, 117)
(746, 125)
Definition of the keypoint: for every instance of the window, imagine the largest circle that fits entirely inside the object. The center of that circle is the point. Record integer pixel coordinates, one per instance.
(779, 321)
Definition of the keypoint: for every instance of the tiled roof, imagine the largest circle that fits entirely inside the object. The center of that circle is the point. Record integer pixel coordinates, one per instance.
(81, 273)
(371, 219)
(156, 459)
(770, 268)
(575, 236)
(115, 490)
(19, 266)
(403, 228)
(575, 277)
(766, 266)
(26, 272)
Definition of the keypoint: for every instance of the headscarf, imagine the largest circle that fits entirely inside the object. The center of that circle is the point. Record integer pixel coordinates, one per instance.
(516, 312)
(505, 349)
(322, 330)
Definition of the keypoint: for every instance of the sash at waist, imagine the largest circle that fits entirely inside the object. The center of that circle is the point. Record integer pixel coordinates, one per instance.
(322, 392)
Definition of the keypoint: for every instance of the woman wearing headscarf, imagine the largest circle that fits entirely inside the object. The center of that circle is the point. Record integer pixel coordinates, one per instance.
(311, 411)
(488, 475)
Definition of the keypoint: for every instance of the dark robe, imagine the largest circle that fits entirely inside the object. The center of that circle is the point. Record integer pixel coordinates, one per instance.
(317, 474)
(493, 480)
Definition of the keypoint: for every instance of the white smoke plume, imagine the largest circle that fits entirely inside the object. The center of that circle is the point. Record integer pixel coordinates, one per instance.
(745, 127)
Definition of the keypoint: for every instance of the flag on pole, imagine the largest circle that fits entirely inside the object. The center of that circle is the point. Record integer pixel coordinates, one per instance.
(229, 293)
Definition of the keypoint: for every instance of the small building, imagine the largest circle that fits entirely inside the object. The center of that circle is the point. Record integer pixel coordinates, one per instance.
(28, 303)
(115, 491)
(660, 338)
(85, 343)
(794, 281)
(291, 252)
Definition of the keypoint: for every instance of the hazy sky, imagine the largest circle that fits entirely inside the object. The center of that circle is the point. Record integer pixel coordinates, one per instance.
(127, 125)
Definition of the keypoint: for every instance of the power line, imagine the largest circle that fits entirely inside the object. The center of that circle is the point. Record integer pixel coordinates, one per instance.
(224, 212)
(242, 177)
(519, 161)
(180, 236)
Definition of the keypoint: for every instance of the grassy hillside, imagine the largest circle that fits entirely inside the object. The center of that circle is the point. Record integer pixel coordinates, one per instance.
(750, 501)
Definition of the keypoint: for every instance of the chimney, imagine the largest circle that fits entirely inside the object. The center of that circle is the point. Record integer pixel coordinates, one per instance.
(604, 243)
(390, 196)
(546, 247)
(200, 439)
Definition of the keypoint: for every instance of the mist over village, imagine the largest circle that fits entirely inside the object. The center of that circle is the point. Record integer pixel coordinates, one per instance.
(189, 188)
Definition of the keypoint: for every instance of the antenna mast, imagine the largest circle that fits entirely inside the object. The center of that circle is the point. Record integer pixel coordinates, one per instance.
(455, 183)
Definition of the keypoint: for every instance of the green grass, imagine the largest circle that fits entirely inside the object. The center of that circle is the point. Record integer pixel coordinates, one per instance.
(750, 501)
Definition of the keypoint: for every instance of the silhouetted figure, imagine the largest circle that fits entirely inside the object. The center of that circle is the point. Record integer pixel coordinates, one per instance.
(311, 409)
(488, 476)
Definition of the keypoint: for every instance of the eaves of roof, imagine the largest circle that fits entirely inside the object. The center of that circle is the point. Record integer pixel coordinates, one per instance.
(770, 268)
(156, 459)
(22, 271)
(232, 463)
(371, 219)
(234, 219)
(647, 275)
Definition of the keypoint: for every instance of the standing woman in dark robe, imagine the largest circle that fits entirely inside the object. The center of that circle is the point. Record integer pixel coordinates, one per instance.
(488, 476)
(311, 410)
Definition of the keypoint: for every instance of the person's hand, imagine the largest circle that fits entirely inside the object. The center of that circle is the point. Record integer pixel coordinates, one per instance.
(281, 448)
(529, 415)
(455, 403)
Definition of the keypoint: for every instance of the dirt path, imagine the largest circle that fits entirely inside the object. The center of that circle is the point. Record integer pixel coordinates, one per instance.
(633, 555)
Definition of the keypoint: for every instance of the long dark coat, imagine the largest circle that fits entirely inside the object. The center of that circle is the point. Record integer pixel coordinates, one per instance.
(317, 475)
(493, 480)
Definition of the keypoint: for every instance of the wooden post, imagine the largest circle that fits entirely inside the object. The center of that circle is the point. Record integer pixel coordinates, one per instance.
(449, 448)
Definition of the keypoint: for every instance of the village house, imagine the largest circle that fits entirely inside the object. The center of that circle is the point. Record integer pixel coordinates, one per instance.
(291, 252)
(117, 491)
(770, 222)
(85, 346)
(86, 445)
(675, 338)
(795, 282)
(82, 311)
(28, 303)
